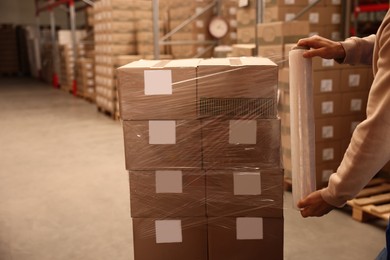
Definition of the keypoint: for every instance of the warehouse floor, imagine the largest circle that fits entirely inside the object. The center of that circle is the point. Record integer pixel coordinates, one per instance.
(64, 190)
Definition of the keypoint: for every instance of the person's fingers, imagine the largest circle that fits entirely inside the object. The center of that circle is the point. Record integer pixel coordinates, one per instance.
(302, 203)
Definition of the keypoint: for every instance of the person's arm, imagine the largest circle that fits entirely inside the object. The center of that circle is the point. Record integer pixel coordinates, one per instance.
(358, 50)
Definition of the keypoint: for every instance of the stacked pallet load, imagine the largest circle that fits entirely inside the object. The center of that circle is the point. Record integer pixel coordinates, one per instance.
(340, 99)
(190, 40)
(85, 78)
(246, 22)
(144, 26)
(228, 12)
(9, 62)
(324, 18)
(202, 147)
(114, 36)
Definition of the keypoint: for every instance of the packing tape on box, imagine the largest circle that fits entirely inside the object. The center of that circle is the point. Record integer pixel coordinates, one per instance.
(302, 125)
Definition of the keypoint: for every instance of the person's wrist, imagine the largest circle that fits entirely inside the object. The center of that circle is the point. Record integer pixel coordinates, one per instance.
(340, 52)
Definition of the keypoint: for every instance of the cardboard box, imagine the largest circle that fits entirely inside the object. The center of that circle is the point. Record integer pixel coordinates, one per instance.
(168, 193)
(328, 105)
(354, 103)
(272, 52)
(350, 123)
(282, 32)
(237, 88)
(231, 144)
(246, 34)
(328, 152)
(326, 64)
(323, 172)
(246, 17)
(159, 144)
(355, 79)
(152, 89)
(328, 129)
(244, 192)
(177, 238)
(326, 81)
(245, 238)
(245, 50)
(287, 2)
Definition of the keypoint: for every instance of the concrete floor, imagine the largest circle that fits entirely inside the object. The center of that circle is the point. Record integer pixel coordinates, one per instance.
(64, 189)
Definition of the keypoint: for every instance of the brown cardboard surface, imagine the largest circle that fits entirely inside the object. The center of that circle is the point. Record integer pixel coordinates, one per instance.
(326, 81)
(246, 17)
(246, 34)
(245, 50)
(327, 129)
(137, 105)
(148, 199)
(350, 123)
(272, 52)
(223, 243)
(220, 153)
(328, 152)
(237, 87)
(140, 155)
(192, 247)
(282, 32)
(355, 79)
(224, 197)
(354, 103)
(323, 171)
(327, 105)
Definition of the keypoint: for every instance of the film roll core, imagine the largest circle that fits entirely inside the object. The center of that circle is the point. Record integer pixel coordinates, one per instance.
(302, 124)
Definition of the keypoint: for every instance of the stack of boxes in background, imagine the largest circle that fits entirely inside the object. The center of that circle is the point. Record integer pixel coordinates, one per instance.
(340, 98)
(9, 62)
(85, 78)
(196, 30)
(202, 146)
(246, 23)
(228, 11)
(114, 35)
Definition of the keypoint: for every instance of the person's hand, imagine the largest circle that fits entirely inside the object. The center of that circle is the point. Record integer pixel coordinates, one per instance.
(322, 47)
(314, 205)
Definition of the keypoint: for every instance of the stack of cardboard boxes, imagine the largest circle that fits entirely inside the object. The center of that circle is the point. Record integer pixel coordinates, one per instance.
(246, 23)
(340, 98)
(228, 11)
(196, 31)
(85, 78)
(114, 35)
(202, 146)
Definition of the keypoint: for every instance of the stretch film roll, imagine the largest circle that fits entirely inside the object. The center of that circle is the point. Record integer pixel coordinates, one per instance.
(302, 125)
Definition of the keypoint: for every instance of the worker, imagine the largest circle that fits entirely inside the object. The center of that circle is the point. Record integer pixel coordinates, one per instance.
(369, 148)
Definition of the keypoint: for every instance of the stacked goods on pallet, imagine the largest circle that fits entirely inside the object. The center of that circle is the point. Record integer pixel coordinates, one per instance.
(194, 33)
(274, 36)
(246, 22)
(114, 36)
(144, 26)
(9, 62)
(202, 147)
(228, 11)
(340, 99)
(67, 58)
(85, 78)
(324, 17)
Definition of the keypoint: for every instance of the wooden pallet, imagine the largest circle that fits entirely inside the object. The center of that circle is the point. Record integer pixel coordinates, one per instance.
(372, 202)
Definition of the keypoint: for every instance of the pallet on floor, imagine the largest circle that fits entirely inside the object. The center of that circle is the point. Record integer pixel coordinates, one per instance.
(372, 202)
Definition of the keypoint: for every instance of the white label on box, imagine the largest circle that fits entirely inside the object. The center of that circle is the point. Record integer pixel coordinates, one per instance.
(199, 23)
(233, 35)
(335, 36)
(354, 124)
(326, 85)
(201, 37)
(311, 1)
(168, 231)
(354, 80)
(327, 63)
(289, 17)
(198, 10)
(356, 104)
(162, 132)
(326, 175)
(232, 11)
(327, 154)
(169, 182)
(158, 82)
(336, 2)
(314, 18)
(327, 131)
(249, 228)
(327, 107)
(247, 183)
(242, 131)
(313, 33)
(200, 49)
(289, 2)
(233, 23)
(243, 3)
(336, 18)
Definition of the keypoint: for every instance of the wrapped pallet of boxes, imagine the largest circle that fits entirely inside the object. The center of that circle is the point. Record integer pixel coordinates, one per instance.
(202, 147)
(340, 99)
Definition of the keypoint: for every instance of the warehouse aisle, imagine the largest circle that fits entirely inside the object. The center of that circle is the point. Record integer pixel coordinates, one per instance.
(64, 190)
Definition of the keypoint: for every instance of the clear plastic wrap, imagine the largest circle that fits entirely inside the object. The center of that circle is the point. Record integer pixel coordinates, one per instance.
(202, 147)
(302, 126)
